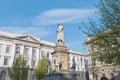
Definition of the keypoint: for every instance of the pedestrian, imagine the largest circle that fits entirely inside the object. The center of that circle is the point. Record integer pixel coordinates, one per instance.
(104, 78)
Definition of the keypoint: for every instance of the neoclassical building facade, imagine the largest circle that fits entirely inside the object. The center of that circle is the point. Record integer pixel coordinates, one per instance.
(97, 68)
(32, 49)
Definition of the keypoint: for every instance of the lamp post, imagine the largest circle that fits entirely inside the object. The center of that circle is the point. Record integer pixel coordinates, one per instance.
(31, 72)
(93, 73)
(93, 63)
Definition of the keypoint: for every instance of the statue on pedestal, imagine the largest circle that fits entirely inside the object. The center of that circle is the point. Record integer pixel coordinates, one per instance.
(60, 66)
(73, 65)
(60, 33)
(57, 64)
(48, 64)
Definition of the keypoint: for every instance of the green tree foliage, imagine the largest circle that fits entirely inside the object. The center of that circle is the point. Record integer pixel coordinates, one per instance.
(105, 39)
(41, 69)
(109, 11)
(19, 69)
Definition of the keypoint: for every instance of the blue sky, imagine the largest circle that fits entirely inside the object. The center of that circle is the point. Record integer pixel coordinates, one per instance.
(41, 17)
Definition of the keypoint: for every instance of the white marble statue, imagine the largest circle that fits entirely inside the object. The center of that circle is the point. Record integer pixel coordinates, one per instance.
(60, 33)
(57, 64)
(73, 65)
(48, 64)
(60, 64)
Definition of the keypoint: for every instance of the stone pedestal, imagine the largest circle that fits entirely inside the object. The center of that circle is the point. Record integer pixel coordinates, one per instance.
(61, 51)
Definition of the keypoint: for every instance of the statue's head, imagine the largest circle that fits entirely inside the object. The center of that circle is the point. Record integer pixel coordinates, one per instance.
(60, 25)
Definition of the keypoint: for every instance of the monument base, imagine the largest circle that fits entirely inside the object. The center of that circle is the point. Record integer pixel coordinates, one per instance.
(66, 76)
(57, 76)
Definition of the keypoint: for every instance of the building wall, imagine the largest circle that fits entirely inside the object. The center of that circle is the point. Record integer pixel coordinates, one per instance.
(97, 68)
(80, 61)
(3, 54)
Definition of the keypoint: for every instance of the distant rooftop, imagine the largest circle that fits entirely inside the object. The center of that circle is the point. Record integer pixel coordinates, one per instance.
(47, 43)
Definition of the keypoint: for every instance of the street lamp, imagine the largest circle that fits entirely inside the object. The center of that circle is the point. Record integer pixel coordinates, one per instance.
(93, 72)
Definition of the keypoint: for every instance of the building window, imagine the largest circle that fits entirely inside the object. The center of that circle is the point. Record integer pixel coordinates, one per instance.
(42, 53)
(81, 59)
(26, 50)
(86, 64)
(48, 54)
(78, 67)
(17, 49)
(33, 63)
(5, 61)
(0, 48)
(33, 52)
(8, 49)
(77, 58)
(3, 75)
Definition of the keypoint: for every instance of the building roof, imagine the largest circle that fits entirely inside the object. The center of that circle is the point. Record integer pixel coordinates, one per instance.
(75, 52)
(25, 37)
(21, 36)
(47, 43)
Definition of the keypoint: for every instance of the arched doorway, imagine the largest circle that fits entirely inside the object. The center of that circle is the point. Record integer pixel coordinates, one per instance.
(3, 75)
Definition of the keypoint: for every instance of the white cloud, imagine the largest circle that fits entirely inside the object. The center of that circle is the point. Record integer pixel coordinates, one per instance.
(56, 16)
(39, 23)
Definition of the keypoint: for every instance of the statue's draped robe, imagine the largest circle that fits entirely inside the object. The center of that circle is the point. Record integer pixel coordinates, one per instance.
(60, 32)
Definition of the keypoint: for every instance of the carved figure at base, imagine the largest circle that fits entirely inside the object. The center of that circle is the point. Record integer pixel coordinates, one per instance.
(48, 64)
(73, 65)
(57, 64)
(60, 66)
